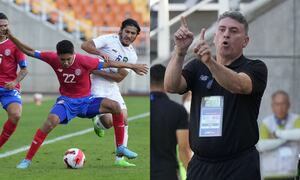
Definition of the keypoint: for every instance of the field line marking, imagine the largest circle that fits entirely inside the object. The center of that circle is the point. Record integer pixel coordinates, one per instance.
(25, 148)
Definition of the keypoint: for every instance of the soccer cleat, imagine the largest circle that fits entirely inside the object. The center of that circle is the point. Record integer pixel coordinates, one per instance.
(97, 127)
(123, 163)
(124, 151)
(99, 132)
(24, 164)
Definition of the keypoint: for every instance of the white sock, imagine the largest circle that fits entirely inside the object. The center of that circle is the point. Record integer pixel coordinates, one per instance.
(125, 141)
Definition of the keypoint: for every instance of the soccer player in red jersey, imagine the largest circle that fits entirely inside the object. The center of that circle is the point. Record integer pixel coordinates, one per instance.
(73, 72)
(10, 58)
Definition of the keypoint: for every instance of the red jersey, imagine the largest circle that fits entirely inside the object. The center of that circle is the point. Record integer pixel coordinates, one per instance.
(10, 58)
(75, 80)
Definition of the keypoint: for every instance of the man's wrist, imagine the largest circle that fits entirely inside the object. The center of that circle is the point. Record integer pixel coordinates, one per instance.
(179, 52)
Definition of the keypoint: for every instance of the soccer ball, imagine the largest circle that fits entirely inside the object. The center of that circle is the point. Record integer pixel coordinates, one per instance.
(74, 158)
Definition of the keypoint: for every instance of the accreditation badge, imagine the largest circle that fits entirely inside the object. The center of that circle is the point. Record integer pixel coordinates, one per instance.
(211, 116)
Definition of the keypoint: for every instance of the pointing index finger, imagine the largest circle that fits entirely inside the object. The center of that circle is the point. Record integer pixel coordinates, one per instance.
(183, 22)
(202, 34)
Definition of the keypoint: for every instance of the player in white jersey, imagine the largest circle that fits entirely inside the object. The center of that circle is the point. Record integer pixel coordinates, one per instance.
(105, 83)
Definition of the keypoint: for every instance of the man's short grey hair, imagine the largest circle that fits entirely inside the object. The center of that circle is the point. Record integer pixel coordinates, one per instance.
(236, 15)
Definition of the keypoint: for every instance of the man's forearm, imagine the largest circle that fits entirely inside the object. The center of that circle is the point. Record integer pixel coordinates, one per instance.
(228, 79)
(110, 76)
(21, 75)
(117, 64)
(173, 78)
(24, 48)
(185, 156)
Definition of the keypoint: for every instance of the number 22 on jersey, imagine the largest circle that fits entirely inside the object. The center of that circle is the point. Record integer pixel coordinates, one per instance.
(69, 78)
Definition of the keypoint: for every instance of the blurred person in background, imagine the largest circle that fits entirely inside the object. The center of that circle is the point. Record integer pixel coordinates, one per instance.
(11, 58)
(115, 47)
(226, 96)
(279, 142)
(168, 128)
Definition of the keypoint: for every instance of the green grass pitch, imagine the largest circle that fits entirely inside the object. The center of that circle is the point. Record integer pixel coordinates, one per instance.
(48, 162)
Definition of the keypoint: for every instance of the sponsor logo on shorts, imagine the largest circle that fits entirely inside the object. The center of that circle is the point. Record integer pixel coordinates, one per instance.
(60, 102)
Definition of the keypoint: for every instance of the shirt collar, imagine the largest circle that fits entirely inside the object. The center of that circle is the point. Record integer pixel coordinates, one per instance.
(236, 63)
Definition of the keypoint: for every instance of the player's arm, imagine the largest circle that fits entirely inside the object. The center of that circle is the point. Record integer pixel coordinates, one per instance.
(21, 75)
(184, 149)
(139, 69)
(24, 48)
(90, 47)
(117, 77)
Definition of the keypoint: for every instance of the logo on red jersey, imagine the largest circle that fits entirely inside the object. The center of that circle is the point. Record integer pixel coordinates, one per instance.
(77, 72)
(7, 52)
(59, 70)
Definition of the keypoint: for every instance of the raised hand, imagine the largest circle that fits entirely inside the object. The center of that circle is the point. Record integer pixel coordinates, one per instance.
(140, 69)
(202, 48)
(183, 37)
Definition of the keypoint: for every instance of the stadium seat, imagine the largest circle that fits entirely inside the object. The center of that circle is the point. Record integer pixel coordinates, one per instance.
(94, 13)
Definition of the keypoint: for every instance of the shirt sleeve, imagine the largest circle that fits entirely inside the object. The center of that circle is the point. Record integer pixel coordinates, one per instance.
(188, 73)
(100, 41)
(21, 58)
(258, 73)
(183, 119)
(45, 56)
(91, 63)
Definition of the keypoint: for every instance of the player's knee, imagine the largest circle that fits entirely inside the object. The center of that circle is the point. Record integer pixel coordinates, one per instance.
(15, 117)
(51, 123)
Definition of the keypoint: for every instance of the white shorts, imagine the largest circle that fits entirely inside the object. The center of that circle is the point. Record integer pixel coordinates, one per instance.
(113, 95)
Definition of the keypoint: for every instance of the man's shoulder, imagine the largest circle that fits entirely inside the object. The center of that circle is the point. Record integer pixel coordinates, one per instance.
(176, 107)
(108, 36)
(254, 61)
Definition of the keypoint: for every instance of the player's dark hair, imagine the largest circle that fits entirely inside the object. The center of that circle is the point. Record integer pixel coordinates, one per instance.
(157, 74)
(65, 47)
(131, 22)
(236, 15)
(3, 16)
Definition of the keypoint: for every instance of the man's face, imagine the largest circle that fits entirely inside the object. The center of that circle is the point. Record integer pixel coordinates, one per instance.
(66, 60)
(128, 35)
(280, 106)
(3, 26)
(230, 38)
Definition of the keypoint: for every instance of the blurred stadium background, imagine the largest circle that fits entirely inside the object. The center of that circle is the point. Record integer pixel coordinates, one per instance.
(274, 30)
(42, 23)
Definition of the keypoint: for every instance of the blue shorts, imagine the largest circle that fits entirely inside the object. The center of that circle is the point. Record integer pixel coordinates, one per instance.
(67, 108)
(9, 96)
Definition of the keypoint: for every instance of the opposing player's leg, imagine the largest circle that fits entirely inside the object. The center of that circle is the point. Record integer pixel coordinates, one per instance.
(11, 102)
(120, 161)
(57, 114)
(113, 107)
(101, 123)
